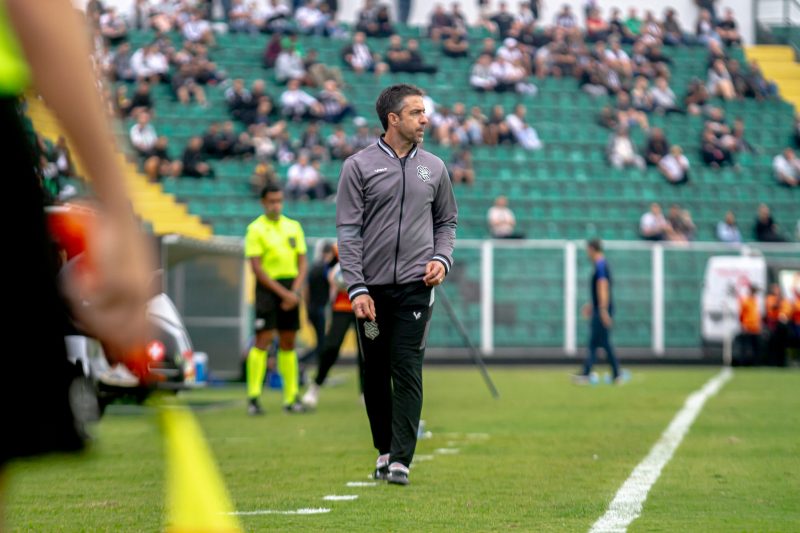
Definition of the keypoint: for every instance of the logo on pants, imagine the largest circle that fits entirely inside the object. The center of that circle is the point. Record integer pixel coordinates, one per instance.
(371, 330)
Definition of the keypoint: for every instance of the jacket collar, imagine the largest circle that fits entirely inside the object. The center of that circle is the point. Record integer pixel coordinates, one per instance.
(390, 151)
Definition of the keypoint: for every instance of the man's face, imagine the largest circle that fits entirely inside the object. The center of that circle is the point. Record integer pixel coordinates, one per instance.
(273, 204)
(411, 121)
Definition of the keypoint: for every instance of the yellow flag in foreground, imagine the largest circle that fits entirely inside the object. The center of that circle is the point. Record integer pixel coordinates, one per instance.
(196, 497)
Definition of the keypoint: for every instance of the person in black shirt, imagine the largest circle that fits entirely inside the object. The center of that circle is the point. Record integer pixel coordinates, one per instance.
(194, 165)
(317, 294)
(765, 228)
(600, 312)
(657, 147)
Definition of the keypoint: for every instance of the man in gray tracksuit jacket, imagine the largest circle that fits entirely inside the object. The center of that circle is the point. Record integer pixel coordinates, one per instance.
(396, 218)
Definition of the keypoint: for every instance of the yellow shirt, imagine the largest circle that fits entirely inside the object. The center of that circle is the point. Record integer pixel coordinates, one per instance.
(14, 72)
(278, 243)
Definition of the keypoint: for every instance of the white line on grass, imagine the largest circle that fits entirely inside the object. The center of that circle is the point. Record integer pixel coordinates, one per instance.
(340, 497)
(627, 504)
(361, 484)
(320, 510)
(446, 451)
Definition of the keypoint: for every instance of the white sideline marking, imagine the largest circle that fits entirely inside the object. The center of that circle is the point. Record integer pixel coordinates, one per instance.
(446, 451)
(422, 457)
(361, 484)
(340, 497)
(627, 503)
(320, 510)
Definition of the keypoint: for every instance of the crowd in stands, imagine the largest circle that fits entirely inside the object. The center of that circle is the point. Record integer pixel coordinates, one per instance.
(621, 57)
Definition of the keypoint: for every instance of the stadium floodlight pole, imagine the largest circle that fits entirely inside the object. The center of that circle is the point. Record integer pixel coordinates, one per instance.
(476, 355)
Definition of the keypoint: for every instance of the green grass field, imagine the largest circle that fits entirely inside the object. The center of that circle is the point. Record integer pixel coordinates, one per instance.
(546, 456)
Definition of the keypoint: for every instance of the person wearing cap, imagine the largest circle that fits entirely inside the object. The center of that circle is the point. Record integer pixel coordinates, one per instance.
(396, 219)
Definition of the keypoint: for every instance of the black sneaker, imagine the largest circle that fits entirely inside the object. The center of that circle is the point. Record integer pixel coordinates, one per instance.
(254, 409)
(294, 408)
(381, 473)
(398, 474)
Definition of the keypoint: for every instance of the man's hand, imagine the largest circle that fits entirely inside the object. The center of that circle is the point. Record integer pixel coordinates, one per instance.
(364, 307)
(434, 273)
(606, 318)
(109, 295)
(290, 301)
(586, 311)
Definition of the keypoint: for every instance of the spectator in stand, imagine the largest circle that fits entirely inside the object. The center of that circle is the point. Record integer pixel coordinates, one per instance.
(310, 19)
(675, 166)
(120, 68)
(498, 131)
(461, 168)
(140, 102)
(523, 132)
(740, 143)
(360, 58)
(663, 98)
(680, 220)
(335, 106)
(481, 78)
(271, 51)
(159, 164)
(760, 87)
(143, 135)
(501, 220)
(197, 29)
(263, 173)
(502, 20)
(673, 32)
(787, 168)
(653, 226)
(704, 30)
(597, 29)
(628, 115)
(727, 29)
(441, 25)
(696, 97)
(633, 23)
(194, 165)
(113, 27)
(719, 82)
(289, 65)
(304, 181)
(657, 147)
(274, 18)
(241, 19)
(565, 20)
(339, 145)
(765, 229)
(621, 152)
(619, 29)
(319, 73)
(239, 100)
(713, 152)
(640, 95)
(185, 86)
(456, 45)
(311, 142)
(297, 104)
(149, 63)
(728, 230)
(374, 20)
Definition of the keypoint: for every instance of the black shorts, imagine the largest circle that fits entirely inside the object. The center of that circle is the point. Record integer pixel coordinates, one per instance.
(35, 381)
(269, 314)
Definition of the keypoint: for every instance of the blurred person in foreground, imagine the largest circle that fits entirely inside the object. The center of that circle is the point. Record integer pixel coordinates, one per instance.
(44, 43)
(600, 311)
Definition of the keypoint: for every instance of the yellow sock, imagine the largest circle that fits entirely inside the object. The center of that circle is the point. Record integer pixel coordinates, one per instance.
(256, 369)
(287, 367)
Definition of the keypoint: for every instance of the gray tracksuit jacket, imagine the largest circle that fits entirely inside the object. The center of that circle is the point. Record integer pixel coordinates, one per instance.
(393, 216)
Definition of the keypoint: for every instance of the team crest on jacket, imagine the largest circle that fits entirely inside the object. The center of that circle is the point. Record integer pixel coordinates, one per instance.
(424, 173)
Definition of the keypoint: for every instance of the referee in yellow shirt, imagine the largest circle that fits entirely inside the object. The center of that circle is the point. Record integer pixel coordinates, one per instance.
(276, 249)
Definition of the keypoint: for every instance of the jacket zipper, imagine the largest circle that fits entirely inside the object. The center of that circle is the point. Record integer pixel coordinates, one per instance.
(400, 222)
